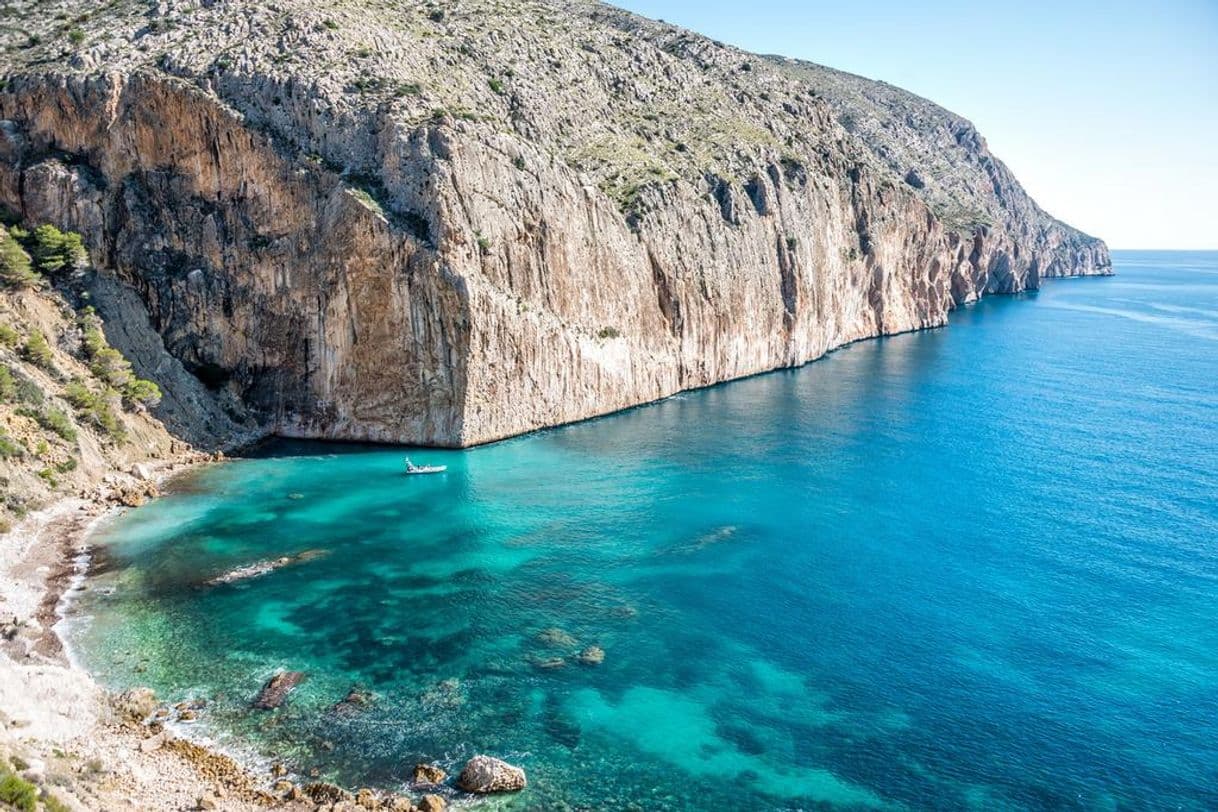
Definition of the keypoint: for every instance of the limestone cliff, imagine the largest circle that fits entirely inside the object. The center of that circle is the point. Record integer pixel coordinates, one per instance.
(450, 222)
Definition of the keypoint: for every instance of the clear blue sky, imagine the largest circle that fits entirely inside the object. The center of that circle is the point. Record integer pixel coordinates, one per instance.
(1107, 112)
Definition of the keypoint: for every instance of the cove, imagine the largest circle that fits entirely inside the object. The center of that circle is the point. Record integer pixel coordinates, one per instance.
(974, 567)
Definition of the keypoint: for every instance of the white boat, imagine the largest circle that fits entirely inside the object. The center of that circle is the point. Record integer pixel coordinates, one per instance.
(412, 469)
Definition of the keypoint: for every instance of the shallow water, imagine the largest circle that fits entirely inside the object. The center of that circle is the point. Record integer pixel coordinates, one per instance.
(969, 568)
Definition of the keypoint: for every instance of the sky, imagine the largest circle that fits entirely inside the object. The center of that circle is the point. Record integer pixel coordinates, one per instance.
(1106, 112)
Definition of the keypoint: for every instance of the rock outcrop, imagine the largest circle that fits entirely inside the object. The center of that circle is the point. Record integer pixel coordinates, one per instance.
(484, 775)
(428, 774)
(277, 688)
(448, 223)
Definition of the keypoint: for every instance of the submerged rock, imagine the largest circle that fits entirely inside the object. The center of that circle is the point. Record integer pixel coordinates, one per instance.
(446, 694)
(277, 689)
(592, 655)
(428, 774)
(556, 638)
(624, 612)
(356, 700)
(250, 571)
(260, 568)
(548, 663)
(486, 774)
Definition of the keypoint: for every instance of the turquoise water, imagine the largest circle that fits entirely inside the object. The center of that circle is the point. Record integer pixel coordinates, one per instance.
(969, 568)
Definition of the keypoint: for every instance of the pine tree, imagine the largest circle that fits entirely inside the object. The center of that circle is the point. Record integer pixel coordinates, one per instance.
(15, 268)
(48, 249)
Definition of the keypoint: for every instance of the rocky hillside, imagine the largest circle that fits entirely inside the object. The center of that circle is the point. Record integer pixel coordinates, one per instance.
(449, 222)
(71, 411)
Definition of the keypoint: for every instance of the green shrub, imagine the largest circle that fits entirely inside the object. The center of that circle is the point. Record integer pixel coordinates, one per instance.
(609, 332)
(142, 392)
(110, 367)
(8, 386)
(37, 351)
(95, 407)
(26, 391)
(8, 336)
(370, 202)
(496, 85)
(78, 394)
(52, 804)
(52, 420)
(484, 243)
(328, 23)
(18, 793)
(93, 340)
(16, 271)
(76, 36)
(10, 447)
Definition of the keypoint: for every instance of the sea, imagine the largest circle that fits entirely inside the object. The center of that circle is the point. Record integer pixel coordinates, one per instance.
(968, 568)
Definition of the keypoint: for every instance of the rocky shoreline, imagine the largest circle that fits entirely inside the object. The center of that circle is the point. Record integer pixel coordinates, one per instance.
(86, 748)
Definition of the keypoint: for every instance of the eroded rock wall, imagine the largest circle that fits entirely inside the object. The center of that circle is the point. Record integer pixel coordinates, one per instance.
(526, 301)
(267, 279)
(517, 300)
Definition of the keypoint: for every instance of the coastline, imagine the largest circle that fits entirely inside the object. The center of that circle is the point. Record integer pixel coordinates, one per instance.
(58, 727)
(90, 748)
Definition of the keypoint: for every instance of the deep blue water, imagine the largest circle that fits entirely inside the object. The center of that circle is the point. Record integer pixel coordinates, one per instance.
(975, 567)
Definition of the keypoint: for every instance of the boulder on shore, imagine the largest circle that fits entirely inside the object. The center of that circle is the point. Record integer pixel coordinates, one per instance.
(322, 793)
(485, 774)
(135, 705)
(277, 689)
(432, 803)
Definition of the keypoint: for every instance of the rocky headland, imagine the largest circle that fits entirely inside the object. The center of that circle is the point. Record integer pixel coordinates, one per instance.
(437, 223)
(449, 223)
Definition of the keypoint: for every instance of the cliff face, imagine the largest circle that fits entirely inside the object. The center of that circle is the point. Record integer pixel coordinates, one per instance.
(454, 222)
(947, 162)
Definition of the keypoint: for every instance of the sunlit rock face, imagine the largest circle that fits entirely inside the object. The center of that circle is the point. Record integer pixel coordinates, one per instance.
(453, 225)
